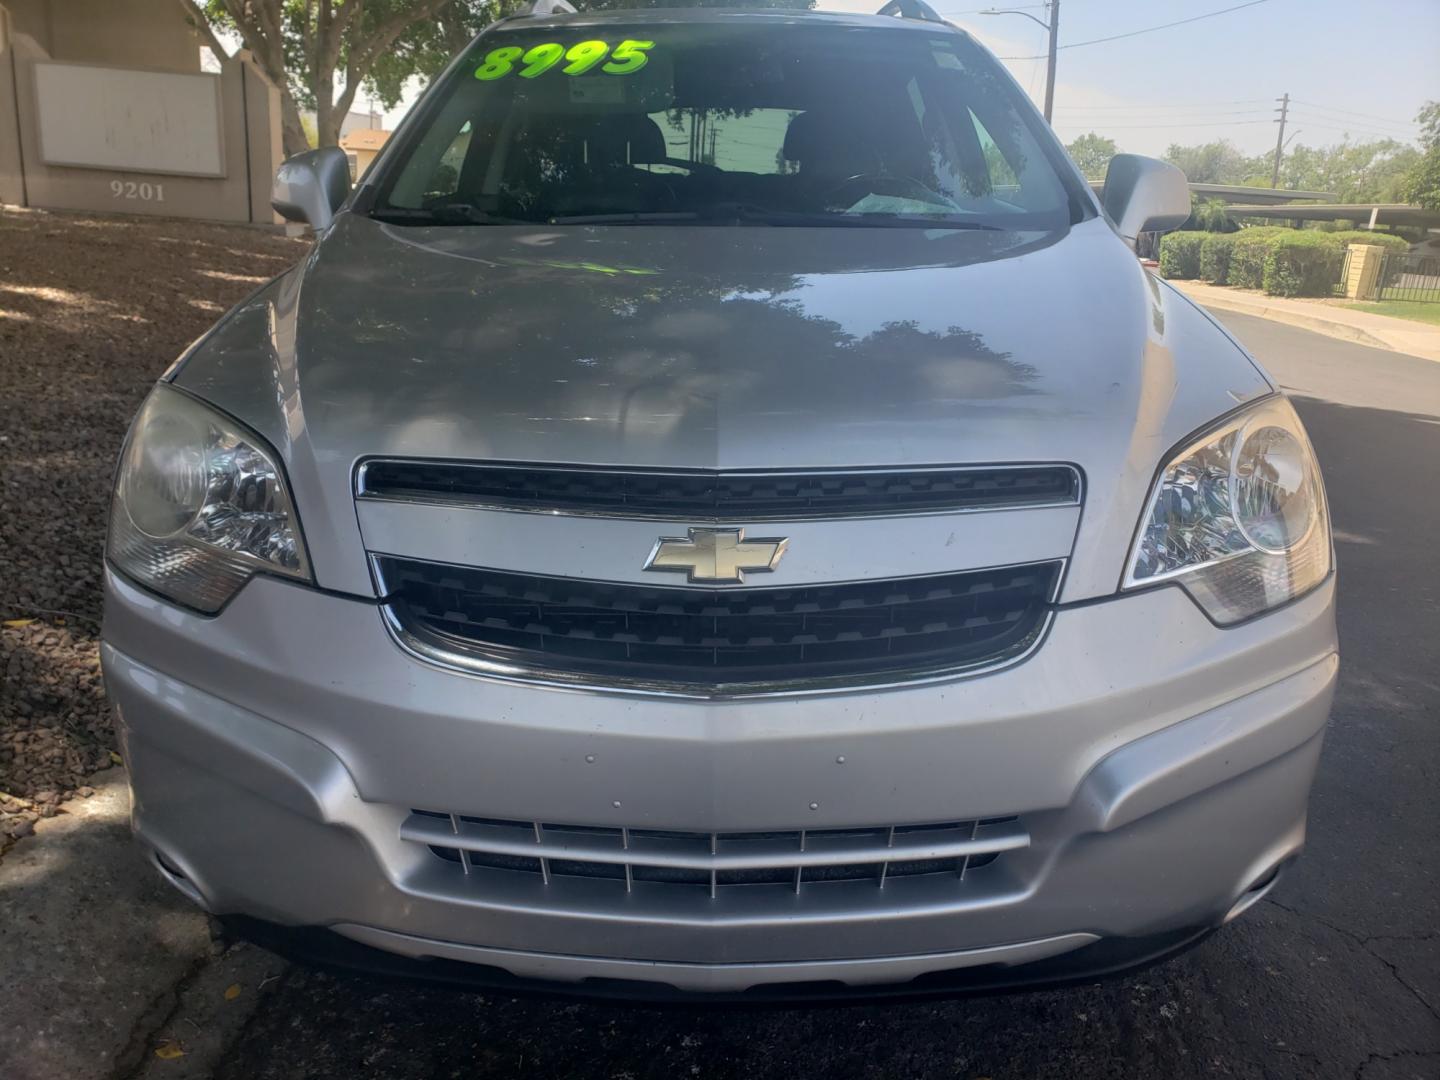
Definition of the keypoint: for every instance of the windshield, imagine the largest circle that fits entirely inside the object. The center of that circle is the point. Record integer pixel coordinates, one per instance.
(727, 122)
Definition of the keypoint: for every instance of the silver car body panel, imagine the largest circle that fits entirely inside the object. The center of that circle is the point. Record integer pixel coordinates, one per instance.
(720, 348)
(1159, 765)
(1137, 770)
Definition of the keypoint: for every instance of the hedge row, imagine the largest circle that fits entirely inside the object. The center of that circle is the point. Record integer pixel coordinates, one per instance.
(1364, 236)
(1180, 254)
(1302, 264)
(1282, 261)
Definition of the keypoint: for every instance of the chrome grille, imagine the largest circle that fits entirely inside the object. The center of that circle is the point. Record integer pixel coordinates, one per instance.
(715, 642)
(705, 495)
(714, 863)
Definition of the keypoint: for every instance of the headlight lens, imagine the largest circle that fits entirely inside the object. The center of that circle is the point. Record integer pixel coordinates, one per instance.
(200, 505)
(1238, 517)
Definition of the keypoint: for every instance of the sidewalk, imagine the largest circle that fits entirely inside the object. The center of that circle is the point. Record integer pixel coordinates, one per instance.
(1361, 327)
(105, 971)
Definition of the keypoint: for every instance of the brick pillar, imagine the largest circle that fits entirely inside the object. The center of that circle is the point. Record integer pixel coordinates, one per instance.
(1362, 277)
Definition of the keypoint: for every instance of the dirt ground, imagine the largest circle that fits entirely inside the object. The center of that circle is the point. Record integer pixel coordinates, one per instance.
(92, 310)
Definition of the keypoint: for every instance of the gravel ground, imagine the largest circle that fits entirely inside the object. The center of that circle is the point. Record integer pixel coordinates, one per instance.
(92, 310)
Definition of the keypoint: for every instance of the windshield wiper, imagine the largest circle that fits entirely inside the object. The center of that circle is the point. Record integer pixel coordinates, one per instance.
(641, 217)
(760, 215)
(748, 214)
(451, 213)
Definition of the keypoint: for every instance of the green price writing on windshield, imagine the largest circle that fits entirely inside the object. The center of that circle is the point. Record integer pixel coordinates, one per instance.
(625, 59)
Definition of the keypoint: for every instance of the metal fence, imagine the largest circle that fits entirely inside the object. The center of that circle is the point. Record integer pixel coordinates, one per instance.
(1404, 276)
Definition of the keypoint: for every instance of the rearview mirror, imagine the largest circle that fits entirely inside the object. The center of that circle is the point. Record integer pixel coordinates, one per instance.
(1143, 195)
(310, 187)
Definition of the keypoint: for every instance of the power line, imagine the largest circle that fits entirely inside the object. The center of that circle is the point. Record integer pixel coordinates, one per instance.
(987, 11)
(1181, 116)
(1153, 108)
(1149, 29)
(1197, 123)
(1351, 130)
(1351, 112)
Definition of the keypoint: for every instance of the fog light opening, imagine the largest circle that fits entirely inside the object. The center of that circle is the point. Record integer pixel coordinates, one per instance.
(179, 879)
(1255, 893)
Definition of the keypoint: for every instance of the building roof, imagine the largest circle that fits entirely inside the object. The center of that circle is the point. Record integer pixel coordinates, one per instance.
(364, 139)
(1250, 196)
(1385, 213)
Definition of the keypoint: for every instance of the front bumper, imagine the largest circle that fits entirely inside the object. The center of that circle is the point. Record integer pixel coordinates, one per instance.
(1160, 767)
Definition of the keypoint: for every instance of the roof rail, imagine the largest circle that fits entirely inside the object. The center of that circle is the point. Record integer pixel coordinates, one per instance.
(908, 9)
(545, 7)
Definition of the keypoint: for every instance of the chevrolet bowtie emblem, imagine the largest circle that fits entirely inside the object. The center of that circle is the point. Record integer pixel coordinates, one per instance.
(715, 555)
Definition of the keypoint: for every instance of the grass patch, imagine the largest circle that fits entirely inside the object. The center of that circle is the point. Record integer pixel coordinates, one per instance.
(1414, 310)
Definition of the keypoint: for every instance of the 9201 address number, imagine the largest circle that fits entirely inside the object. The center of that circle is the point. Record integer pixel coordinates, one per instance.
(144, 191)
(625, 59)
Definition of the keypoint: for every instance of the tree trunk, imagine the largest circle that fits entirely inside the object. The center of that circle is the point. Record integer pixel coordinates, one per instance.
(291, 130)
(327, 123)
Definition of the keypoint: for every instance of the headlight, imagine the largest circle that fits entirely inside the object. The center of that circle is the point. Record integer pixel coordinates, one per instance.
(1238, 517)
(200, 505)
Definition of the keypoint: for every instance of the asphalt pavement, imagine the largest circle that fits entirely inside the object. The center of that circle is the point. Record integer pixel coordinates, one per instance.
(1336, 975)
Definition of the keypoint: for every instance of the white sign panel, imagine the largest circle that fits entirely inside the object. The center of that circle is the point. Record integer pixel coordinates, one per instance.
(134, 121)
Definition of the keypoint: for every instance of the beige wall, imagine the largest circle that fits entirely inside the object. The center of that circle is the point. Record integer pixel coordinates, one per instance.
(249, 120)
(127, 33)
(12, 182)
(363, 158)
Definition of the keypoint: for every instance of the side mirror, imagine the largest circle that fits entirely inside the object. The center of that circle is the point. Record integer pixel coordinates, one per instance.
(310, 187)
(1143, 195)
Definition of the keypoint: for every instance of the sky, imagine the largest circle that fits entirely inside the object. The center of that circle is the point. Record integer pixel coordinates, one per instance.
(1360, 68)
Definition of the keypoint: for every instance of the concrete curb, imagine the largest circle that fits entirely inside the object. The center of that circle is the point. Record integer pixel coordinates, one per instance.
(1374, 331)
(1313, 323)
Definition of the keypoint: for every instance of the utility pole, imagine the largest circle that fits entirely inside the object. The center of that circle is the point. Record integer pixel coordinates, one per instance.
(1050, 67)
(1284, 111)
(1053, 28)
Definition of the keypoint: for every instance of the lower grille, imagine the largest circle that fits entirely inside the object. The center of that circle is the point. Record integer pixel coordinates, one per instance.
(789, 861)
(714, 642)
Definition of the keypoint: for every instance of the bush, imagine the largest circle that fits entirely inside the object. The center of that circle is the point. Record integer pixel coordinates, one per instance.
(1303, 264)
(1180, 254)
(1248, 249)
(1215, 257)
(1364, 236)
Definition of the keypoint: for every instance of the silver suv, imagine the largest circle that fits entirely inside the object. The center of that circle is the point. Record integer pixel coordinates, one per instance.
(721, 509)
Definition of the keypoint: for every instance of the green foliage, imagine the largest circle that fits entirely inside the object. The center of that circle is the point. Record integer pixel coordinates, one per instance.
(1092, 154)
(1209, 215)
(1180, 254)
(310, 49)
(1218, 162)
(1421, 185)
(1388, 241)
(1215, 257)
(1376, 171)
(1356, 172)
(1302, 263)
(1248, 249)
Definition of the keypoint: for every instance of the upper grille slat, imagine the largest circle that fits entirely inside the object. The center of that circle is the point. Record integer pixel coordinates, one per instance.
(713, 641)
(703, 495)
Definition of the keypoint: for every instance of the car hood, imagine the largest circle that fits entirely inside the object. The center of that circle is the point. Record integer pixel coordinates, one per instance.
(719, 348)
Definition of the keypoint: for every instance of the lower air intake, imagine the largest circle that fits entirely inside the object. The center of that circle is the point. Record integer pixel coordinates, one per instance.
(713, 863)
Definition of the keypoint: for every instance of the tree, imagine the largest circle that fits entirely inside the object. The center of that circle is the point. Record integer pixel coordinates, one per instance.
(303, 46)
(1355, 172)
(1421, 185)
(1092, 154)
(1211, 215)
(1218, 162)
